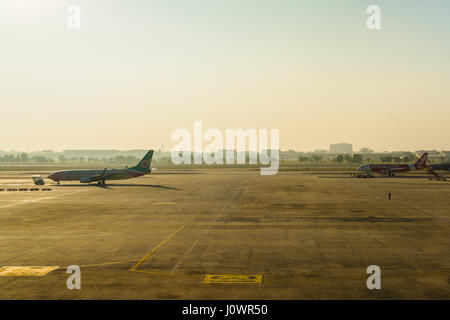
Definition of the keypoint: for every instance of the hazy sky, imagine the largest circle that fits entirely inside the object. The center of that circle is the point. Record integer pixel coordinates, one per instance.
(137, 70)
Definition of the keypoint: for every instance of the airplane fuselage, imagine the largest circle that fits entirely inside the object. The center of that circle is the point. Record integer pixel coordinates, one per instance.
(101, 176)
(385, 168)
(86, 176)
(440, 166)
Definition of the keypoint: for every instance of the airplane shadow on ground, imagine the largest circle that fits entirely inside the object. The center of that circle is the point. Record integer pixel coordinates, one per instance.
(377, 177)
(172, 172)
(108, 185)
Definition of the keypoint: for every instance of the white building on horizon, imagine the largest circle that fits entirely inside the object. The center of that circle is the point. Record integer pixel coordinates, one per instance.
(341, 148)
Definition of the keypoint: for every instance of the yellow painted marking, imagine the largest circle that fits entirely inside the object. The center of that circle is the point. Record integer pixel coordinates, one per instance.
(166, 274)
(133, 268)
(26, 271)
(165, 202)
(104, 264)
(233, 278)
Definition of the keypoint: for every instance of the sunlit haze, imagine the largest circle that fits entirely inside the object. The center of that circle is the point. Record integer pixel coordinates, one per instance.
(138, 70)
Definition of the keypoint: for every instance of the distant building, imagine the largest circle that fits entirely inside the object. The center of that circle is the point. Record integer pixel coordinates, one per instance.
(341, 148)
(446, 156)
(365, 150)
(430, 152)
(443, 156)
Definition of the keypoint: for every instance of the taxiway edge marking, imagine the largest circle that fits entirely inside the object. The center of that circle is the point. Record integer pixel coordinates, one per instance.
(133, 268)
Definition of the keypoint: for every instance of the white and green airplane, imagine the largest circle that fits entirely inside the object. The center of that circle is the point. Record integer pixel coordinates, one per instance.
(100, 176)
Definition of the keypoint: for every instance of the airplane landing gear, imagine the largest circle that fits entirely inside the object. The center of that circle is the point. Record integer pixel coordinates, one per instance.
(436, 176)
(367, 175)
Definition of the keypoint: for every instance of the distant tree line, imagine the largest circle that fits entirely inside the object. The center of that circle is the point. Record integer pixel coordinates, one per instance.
(24, 158)
(356, 158)
(359, 159)
(118, 160)
(127, 160)
(115, 160)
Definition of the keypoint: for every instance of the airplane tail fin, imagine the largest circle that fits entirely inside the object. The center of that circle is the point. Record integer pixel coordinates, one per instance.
(421, 163)
(144, 164)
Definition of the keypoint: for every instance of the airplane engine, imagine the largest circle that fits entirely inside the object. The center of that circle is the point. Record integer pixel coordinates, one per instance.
(85, 180)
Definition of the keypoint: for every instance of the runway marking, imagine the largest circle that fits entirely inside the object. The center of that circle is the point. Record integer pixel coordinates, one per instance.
(133, 268)
(156, 273)
(164, 202)
(404, 276)
(203, 231)
(233, 278)
(103, 264)
(257, 205)
(142, 271)
(184, 255)
(383, 197)
(40, 199)
(421, 210)
(26, 271)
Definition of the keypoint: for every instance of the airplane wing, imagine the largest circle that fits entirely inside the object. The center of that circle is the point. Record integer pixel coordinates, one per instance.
(395, 169)
(101, 176)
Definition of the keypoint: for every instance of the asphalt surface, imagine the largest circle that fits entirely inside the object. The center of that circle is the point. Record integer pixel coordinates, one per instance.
(180, 234)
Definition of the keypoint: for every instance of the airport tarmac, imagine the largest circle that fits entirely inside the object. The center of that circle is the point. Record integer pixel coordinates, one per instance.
(228, 234)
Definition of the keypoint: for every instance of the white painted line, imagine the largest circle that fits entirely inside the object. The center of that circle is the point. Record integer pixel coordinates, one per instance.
(202, 232)
(37, 200)
(184, 255)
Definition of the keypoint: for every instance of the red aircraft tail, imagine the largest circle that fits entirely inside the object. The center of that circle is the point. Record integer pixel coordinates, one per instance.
(421, 163)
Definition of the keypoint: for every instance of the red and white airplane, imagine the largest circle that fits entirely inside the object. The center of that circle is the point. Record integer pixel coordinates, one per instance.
(390, 169)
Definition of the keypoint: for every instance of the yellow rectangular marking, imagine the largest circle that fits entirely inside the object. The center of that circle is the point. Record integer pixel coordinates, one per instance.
(26, 271)
(233, 278)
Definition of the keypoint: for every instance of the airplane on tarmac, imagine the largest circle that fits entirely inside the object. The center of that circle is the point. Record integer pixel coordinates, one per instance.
(100, 176)
(432, 169)
(440, 166)
(390, 169)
